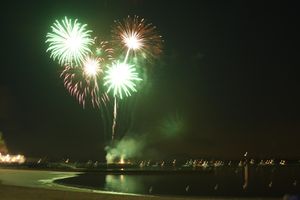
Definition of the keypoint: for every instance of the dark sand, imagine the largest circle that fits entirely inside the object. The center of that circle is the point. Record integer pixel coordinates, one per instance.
(27, 185)
(25, 193)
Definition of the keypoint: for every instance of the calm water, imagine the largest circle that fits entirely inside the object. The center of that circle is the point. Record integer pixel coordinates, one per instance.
(267, 181)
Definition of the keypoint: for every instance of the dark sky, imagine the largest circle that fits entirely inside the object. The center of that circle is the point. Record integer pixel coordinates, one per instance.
(228, 80)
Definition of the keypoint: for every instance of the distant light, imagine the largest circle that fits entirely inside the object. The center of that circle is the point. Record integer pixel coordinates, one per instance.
(12, 158)
(121, 160)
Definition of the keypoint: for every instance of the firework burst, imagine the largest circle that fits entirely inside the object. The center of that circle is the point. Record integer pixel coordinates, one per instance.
(69, 42)
(79, 87)
(121, 78)
(85, 81)
(133, 33)
(89, 65)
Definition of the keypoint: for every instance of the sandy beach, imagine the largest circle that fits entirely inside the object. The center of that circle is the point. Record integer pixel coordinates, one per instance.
(37, 185)
(26, 193)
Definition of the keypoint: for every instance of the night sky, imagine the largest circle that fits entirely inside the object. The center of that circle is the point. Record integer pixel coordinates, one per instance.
(227, 81)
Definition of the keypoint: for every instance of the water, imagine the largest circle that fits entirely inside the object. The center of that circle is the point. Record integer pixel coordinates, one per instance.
(256, 181)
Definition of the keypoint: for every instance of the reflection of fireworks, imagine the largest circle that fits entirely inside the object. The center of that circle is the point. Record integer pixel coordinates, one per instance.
(135, 34)
(121, 78)
(122, 183)
(69, 41)
(83, 81)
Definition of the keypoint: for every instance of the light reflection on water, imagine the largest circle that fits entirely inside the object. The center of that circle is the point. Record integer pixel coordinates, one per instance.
(122, 183)
(248, 181)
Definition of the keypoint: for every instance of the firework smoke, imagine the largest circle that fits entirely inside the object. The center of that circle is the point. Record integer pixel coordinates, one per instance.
(126, 148)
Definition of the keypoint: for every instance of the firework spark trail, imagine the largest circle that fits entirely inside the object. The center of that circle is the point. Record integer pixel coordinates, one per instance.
(114, 119)
(115, 104)
(84, 81)
(80, 87)
(120, 78)
(136, 36)
(127, 54)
